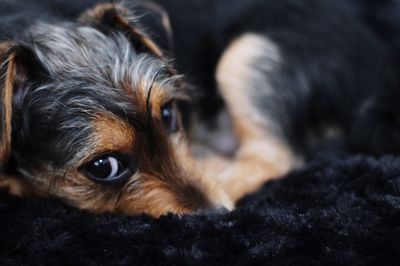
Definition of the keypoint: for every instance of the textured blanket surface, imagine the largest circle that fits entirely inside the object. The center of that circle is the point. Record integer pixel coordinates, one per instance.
(335, 212)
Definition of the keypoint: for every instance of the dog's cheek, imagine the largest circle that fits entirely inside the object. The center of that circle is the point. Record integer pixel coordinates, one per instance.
(157, 196)
(152, 197)
(77, 190)
(183, 154)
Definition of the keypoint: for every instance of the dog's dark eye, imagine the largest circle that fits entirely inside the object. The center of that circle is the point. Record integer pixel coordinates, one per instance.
(169, 116)
(107, 169)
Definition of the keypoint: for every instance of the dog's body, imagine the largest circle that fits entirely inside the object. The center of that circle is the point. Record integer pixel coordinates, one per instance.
(86, 92)
(326, 75)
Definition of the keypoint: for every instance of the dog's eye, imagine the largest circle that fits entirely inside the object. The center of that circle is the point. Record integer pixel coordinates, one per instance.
(106, 169)
(170, 117)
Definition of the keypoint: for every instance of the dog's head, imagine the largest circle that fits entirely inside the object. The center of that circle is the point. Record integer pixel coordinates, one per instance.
(90, 113)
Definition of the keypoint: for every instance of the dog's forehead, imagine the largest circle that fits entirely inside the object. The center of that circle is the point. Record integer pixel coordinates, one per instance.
(72, 50)
(93, 72)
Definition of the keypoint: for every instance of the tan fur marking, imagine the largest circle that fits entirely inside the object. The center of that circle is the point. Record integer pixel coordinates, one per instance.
(161, 183)
(153, 197)
(235, 74)
(80, 191)
(151, 190)
(4, 47)
(165, 21)
(5, 146)
(121, 21)
(113, 134)
(262, 155)
(159, 96)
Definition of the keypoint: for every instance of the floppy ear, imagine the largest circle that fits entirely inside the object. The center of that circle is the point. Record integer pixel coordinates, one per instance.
(157, 22)
(113, 17)
(19, 69)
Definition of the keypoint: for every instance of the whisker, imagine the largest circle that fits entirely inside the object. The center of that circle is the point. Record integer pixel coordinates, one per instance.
(123, 190)
(148, 104)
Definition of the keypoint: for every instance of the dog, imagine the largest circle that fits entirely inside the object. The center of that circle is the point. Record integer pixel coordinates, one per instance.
(95, 111)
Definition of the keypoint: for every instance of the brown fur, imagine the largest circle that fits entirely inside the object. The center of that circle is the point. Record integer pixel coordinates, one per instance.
(5, 146)
(167, 178)
(117, 15)
(12, 74)
(166, 181)
(262, 153)
(163, 183)
(113, 134)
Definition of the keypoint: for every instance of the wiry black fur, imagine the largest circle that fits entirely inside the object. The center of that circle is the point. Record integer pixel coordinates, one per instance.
(57, 104)
(343, 53)
(336, 212)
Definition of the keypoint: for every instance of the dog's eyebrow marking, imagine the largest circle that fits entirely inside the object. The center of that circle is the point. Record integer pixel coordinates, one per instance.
(113, 134)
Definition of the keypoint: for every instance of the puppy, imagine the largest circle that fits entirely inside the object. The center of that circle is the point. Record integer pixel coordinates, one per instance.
(93, 109)
(90, 115)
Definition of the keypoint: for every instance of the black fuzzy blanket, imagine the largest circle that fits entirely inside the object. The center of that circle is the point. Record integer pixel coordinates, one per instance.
(336, 211)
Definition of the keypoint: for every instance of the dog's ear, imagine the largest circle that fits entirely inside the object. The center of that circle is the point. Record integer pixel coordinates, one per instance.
(19, 70)
(114, 17)
(157, 22)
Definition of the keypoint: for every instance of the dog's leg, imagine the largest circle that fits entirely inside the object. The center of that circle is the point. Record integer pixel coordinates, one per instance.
(263, 154)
